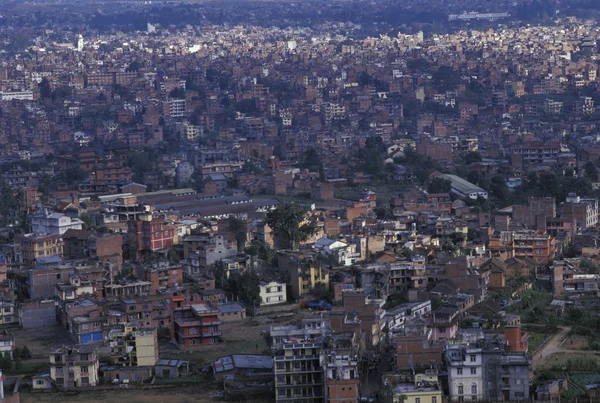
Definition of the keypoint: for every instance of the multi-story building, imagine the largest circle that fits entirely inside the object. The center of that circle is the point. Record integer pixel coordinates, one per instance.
(47, 222)
(42, 282)
(304, 272)
(133, 346)
(272, 293)
(310, 329)
(7, 342)
(174, 108)
(360, 313)
(536, 245)
(162, 275)
(341, 369)
(537, 152)
(583, 210)
(149, 234)
(82, 244)
(485, 370)
(74, 366)
(567, 280)
(31, 247)
(299, 371)
(465, 373)
(415, 347)
(194, 324)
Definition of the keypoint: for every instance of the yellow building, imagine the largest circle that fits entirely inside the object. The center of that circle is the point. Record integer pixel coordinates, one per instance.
(425, 389)
(133, 346)
(75, 366)
(32, 247)
(303, 271)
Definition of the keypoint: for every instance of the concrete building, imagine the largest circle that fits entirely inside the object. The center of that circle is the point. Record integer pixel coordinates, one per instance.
(74, 366)
(194, 324)
(424, 388)
(31, 247)
(133, 346)
(484, 369)
(272, 293)
(162, 275)
(47, 222)
(341, 369)
(299, 371)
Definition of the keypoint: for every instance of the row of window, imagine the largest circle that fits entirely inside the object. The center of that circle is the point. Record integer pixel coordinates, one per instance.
(459, 371)
(461, 389)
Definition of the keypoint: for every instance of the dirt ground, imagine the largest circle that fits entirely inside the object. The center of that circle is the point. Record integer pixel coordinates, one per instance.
(576, 342)
(41, 340)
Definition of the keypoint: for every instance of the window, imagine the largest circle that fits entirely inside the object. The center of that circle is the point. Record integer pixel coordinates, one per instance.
(132, 307)
(7, 309)
(433, 399)
(473, 358)
(84, 357)
(194, 342)
(474, 389)
(193, 330)
(58, 276)
(417, 400)
(473, 371)
(442, 330)
(39, 382)
(84, 369)
(60, 381)
(458, 371)
(473, 398)
(85, 380)
(461, 389)
(519, 394)
(59, 370)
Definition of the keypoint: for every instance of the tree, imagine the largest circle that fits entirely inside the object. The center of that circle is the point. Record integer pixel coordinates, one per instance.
(292, 223)
(312, 161)
(45, 91)
(591, 172)
(177, 92)
(472, 157)
(236, 226)
(439, 185)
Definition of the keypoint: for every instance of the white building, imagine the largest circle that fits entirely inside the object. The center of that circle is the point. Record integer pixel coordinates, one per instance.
(18, 95)
(272, 293)
(46, 222)
(346, 254)
(465, 373)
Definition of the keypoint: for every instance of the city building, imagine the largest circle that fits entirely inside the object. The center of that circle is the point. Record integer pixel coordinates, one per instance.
(194, 324)
(74, 366)
(133, 346)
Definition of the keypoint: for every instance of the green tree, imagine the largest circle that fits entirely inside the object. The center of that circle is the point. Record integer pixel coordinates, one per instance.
(472, 157)
(439, 185)
(312, 161)
(591, 172)
(45, 90)
(25, 353)
(177, 92)
(292, 223)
